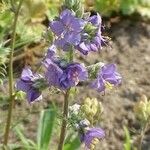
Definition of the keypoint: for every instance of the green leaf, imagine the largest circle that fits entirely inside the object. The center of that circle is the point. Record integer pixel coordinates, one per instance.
(106, 7)
(73, 144)
(127, 144)
(45, 129)
(27, 143)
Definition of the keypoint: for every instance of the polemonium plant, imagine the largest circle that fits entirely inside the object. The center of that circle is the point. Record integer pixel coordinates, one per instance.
(74, 32)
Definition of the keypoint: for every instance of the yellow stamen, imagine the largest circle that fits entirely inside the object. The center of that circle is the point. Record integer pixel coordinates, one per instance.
(95, 141)
(109, 85)
(92, 147)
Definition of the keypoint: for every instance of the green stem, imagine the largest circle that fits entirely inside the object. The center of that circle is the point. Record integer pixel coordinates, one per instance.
(65, 111)
(71, 53)
(11, 87)
(144, 128)
(64, 122)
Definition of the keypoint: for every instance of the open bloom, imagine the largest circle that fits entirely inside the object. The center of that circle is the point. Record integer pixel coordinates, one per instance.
(107, 78)
(91, 37)
(64, 76)
(73, 73)
(92, 136)
(53, 73)
(60, 74)
(67, 28)
(26, 84)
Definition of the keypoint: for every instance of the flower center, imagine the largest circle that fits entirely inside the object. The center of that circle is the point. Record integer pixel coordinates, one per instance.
(75, 77)
(93, 143)
(108, 85)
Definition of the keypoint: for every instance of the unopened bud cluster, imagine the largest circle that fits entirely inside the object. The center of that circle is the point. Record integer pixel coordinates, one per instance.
(142, 109)
(91, 109)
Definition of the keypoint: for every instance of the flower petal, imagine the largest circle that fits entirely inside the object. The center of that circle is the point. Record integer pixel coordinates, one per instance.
(57, 27)
(72, 38)
(26, 74)
(23, 86)
(66, 17)
(33, 95)
(53, 74)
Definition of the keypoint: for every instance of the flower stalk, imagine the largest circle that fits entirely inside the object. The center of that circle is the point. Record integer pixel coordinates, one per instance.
(11, 87)
(64, 121)
(144, 128)
(65, 110)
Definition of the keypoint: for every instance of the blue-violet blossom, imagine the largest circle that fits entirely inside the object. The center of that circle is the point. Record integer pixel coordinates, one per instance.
(94, 40)
(90, 135)
(67, 28)
(107, 77)
(26, 84)
(61, 74)
(73, 73)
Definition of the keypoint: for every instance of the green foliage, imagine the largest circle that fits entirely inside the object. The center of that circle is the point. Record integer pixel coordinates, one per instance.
(45, 129)
(72, 142)
(144, 8)
(3, 58)
(26, 143)
(126, 7)
(106, 7)
(127, 144)
(29, 27)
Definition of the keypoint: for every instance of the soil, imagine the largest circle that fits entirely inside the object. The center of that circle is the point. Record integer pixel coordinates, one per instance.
(131, 52)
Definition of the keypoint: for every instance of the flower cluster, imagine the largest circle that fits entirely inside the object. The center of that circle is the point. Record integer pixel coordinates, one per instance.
(73, 32)
(81, 116)
(107, 78)
(61, 74)
(83, 35)
(142, 109)
(67, 28)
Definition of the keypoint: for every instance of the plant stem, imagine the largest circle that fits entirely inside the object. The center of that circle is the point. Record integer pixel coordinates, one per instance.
(64, 122)
(65, 110)
(11, 87)
(144, 128)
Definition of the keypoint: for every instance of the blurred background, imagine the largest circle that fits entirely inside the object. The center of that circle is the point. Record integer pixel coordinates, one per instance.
(126, 22)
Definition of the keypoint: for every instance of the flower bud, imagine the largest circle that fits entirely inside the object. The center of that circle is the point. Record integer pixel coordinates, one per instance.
(84, 123)
(91, 108)
(40, 84)
(20, 95)
(93, 69)
(90, 29)
(76, 6)
(142, 109)
(74, 109)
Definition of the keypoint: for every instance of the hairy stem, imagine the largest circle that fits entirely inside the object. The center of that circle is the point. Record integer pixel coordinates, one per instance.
(11, 87)
(64, 122)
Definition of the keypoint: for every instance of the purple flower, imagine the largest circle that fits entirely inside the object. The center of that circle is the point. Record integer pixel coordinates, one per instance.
(71, 76)
(26, 84)
(53, 73)
(62, 75)
(107, 78)
(91, 135)
(92, 40)
(51, 52)
(67, 28)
